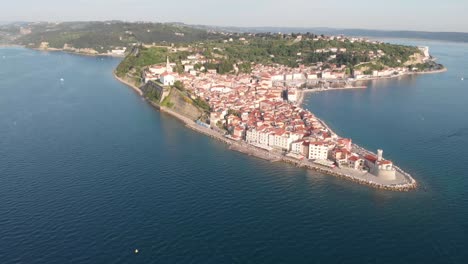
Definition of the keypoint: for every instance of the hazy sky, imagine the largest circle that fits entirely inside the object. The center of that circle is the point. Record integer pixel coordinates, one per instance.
(429, 15)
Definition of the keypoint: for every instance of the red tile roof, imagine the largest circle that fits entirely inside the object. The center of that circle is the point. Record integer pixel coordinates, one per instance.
(371, 158)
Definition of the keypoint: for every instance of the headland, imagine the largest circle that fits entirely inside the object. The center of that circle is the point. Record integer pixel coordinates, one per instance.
(253, 103)
(401, 181)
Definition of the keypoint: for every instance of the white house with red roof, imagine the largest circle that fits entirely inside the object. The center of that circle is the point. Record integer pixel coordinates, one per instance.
(355, 162)
(300, 147)
(280, 139)
(340, 156)
(167, 78)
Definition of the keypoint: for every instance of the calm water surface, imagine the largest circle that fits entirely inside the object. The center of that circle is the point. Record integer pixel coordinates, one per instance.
(89, 172)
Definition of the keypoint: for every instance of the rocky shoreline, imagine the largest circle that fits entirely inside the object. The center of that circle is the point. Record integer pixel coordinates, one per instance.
(136, 89)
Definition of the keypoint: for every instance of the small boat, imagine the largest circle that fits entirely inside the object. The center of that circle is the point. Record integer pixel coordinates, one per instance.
(62, 80)
(462, 79)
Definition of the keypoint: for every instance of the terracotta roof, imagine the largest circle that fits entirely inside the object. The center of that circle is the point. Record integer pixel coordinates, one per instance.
(371, 158)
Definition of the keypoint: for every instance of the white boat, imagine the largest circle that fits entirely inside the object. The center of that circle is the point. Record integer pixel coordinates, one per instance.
(462, 79)
(61, 79)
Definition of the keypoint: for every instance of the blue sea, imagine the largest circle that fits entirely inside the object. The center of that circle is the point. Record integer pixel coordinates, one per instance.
(89, 172)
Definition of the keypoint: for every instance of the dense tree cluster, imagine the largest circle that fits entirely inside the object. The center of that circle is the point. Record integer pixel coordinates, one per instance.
(103, 36)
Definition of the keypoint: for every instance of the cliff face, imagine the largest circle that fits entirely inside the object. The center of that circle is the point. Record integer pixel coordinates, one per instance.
(181, 104)
(153, 92)
(172, 99)
(415, 59)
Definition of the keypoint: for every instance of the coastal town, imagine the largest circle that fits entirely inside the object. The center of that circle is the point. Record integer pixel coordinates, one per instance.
(260, 113)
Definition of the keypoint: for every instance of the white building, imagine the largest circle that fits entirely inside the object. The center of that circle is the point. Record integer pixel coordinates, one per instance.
(300, 147)
(312, 76)
(318, 151)
(298, 76)
(188, 67)
(263, 138)
(425, 51)
(280, 140)
(167, 78)
(254, 136)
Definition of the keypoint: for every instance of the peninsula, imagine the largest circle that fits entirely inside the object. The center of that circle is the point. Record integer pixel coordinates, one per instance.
(247, 91)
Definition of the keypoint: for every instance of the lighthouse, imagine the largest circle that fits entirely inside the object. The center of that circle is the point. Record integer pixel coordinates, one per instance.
(379, 155)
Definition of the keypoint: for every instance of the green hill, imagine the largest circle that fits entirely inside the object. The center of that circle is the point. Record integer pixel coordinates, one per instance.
(103, 36)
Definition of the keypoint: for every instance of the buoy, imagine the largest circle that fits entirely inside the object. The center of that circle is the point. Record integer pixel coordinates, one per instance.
(136, 251)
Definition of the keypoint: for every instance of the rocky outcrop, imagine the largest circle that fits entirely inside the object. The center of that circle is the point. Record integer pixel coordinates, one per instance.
(416, 58)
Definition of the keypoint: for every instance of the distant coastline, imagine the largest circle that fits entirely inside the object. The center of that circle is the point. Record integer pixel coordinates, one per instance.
(76, 52)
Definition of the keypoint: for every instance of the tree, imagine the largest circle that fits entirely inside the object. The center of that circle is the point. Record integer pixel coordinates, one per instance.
(179, 86)
(179, 68)
(245, 67)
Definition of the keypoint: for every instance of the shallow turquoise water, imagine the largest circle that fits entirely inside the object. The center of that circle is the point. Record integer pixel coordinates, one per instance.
(89, 172)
